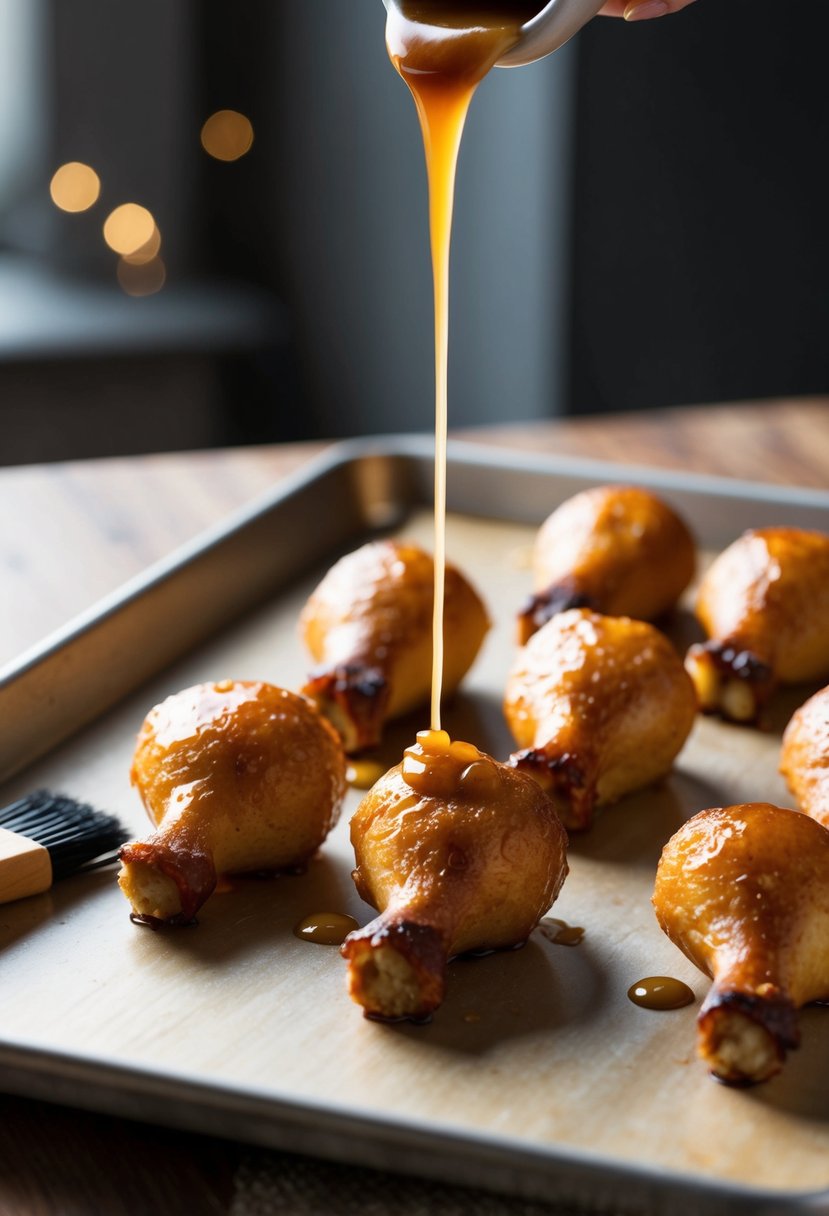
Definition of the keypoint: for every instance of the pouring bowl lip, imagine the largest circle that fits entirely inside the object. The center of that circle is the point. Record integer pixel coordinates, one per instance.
(553, 25)
(540, 18)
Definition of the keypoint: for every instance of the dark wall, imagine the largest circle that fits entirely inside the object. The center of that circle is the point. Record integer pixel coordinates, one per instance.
(343, 226)
(701, 241)
(645, 209)
(85, 370)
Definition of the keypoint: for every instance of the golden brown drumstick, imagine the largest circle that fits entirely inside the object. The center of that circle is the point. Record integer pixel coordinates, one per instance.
(744, 892)
(600, 706)
(239, 777)
(369, 626)
(619, 550)
(458, 853)
(804, 759)
(764, 604)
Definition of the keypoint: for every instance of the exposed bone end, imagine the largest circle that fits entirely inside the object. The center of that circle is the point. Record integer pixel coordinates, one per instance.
(164, 885)
(730, 682)
(743, 1038)
(154, 896)
(397, 970)
(353, 697)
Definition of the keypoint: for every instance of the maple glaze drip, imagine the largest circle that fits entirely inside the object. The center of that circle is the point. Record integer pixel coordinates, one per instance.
(661, 992)
(437, 767)
(326, 928)
(443, 50)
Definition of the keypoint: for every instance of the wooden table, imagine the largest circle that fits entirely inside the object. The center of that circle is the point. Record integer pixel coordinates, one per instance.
(72, 532)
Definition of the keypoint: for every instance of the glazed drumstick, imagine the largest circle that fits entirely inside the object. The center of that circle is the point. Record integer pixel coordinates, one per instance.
(619, 550)
(369, 626)
(744, 892)
(458, 853)
(804, 759)
(239, 777)
(764, 604)
(600, 706)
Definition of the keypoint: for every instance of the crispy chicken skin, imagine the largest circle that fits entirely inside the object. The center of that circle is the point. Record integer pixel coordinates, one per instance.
(238, 777)
(369, 627)
(804, 758)
(764, 604)
(458, 853)
(600, 706)
(619, 550)
(744, 892)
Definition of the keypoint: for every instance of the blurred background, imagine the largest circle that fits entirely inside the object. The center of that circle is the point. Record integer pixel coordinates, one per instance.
(213, 224)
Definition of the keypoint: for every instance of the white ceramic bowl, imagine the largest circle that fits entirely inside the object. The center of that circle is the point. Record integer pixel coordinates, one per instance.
(548, 30)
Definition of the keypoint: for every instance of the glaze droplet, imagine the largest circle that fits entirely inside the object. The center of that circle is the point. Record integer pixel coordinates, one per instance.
(326, 928)
(661, 992)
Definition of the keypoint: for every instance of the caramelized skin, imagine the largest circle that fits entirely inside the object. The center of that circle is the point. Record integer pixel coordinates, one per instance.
(600, 706)
(619, 550)
(369, 626)
(467, 858)
(804, 759)
(744, 892)
(238, 777)
(764, 604)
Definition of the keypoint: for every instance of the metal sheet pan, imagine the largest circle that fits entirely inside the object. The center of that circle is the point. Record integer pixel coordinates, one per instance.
(536, 1076)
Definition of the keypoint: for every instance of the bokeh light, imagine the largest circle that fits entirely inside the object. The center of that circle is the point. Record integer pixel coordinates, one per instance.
(128, 228)
(75, 186)
(146, 252)
(141, 278)
(227, 135)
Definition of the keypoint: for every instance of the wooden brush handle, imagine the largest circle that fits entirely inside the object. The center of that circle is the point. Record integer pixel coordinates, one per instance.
(25, 867)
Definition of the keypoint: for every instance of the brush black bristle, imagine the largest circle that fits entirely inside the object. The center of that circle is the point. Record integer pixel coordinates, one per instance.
(73, 832)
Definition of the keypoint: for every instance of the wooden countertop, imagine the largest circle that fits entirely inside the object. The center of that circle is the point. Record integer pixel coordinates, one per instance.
(72, 532)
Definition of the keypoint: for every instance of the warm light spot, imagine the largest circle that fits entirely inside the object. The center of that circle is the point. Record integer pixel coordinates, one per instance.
(141, 278)
(128, 228)
(75, 187)
(227, 135)
(146, 252)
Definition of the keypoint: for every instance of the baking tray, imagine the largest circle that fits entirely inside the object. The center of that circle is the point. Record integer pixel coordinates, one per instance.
(537, 1076)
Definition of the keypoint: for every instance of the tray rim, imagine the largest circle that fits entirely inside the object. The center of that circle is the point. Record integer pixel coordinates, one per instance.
(192, 1105)
(351, 451)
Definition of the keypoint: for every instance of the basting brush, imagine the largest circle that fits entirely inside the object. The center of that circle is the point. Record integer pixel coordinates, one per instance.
(45, 836)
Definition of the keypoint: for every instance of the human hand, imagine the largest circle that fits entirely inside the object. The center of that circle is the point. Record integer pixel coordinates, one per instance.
(640, 10)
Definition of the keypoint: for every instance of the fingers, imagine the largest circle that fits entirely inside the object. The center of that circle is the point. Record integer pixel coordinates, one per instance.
(641, 10)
